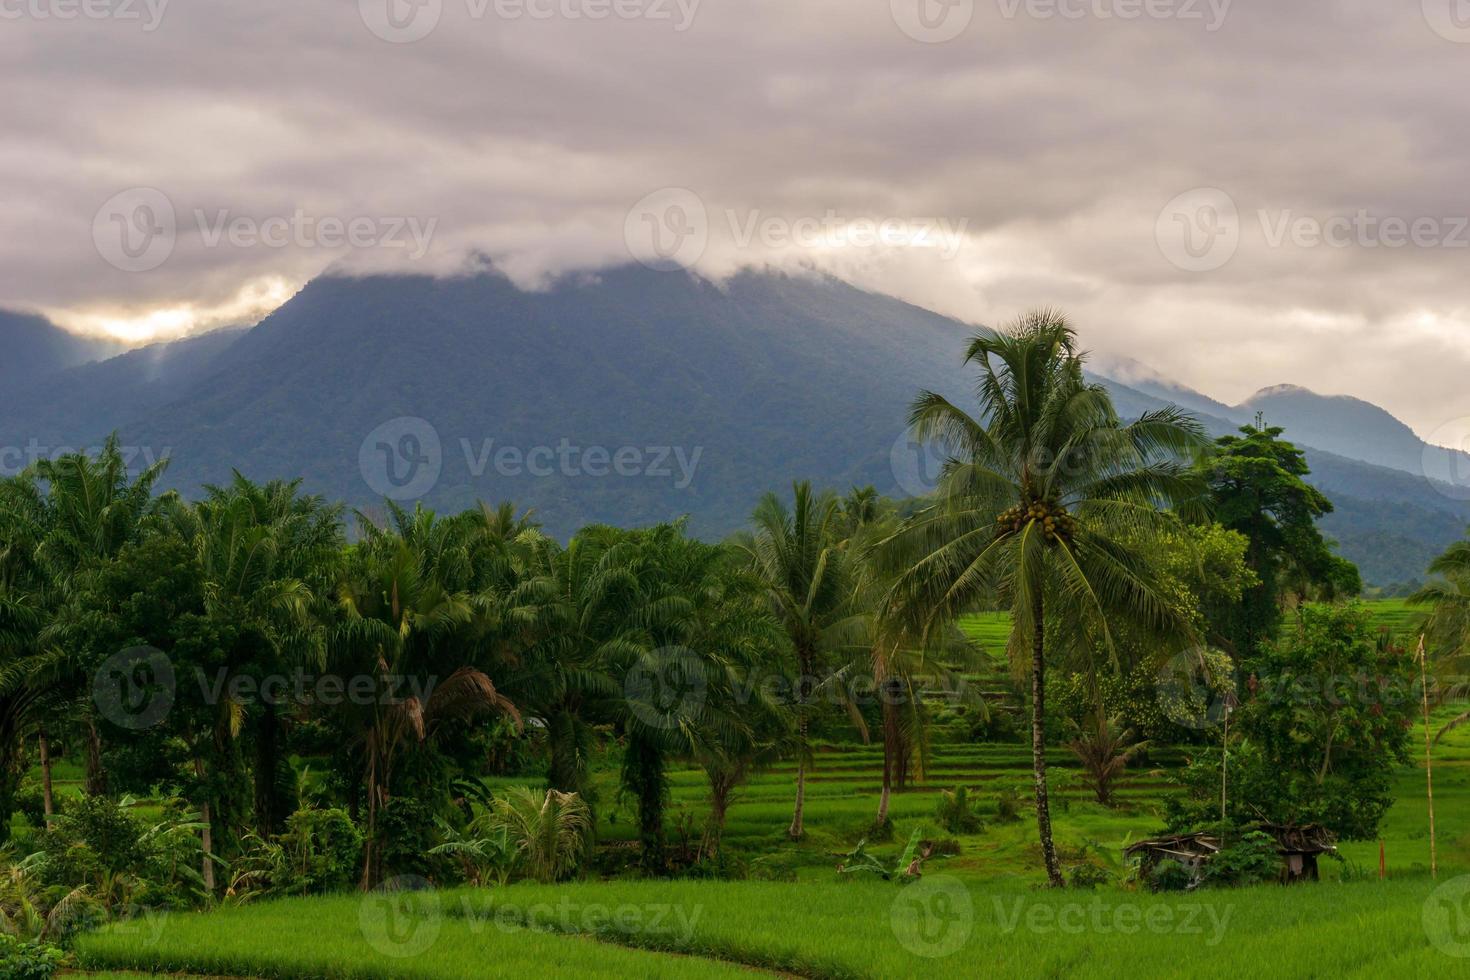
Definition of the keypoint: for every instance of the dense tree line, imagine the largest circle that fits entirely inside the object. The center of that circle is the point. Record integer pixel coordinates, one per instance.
(301, 679)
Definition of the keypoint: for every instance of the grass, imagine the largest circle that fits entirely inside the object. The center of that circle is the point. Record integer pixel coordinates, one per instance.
(945, 928)
(376, 936)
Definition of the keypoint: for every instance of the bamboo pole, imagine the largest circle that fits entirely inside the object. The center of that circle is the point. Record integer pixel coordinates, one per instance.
(1428, 758)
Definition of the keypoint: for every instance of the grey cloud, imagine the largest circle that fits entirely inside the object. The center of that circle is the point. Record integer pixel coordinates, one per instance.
(1058, 142)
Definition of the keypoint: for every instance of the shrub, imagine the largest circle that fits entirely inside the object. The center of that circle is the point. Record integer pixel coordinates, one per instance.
(319, 851)
(1169, 876)
(123, 862)
(1008, 806)
(1089, 876)
(549, 830)
(20, 960)
(954, 813)
(1251, 860)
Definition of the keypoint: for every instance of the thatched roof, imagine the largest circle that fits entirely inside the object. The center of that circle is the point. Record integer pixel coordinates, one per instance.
(1183, 846)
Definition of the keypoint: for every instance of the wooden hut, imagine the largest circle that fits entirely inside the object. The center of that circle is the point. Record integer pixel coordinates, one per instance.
(1299, 848)
(1190, 851)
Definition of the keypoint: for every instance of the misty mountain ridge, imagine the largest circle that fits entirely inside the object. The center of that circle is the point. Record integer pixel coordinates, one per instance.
(627, 396)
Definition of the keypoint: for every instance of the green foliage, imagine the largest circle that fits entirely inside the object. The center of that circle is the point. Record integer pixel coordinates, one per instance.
(1249, 859)
(1104, 748)
(1169, 876)
(319, 851)
(123, 861)
(1326, 718)
(1257, 487)
(955, 814)
(1008, 805)
(906, 868)
(550, 831)
(21, 960)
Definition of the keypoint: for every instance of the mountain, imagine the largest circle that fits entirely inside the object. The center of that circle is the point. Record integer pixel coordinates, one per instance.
(693, 397)
(627, 396)
(1340, 424)
(35, 347)
(79, 405)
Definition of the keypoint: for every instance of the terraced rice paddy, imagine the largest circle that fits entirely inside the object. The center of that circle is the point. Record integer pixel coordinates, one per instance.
(975, 913)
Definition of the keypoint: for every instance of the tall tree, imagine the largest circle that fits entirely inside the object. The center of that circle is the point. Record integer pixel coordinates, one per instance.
(1045, 498)
(94, 507)
(1257, 487)
(810, 584)
(1447, 596)
(409, 638)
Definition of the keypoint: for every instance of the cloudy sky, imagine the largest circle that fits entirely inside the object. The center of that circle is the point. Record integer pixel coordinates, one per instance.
(1236, 192)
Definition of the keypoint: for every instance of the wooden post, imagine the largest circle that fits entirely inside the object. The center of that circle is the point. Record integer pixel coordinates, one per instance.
(1428, 758)
(1382, 861)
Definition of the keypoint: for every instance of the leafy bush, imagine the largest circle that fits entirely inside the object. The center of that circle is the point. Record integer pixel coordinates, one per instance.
(1251, 860)
(21, 960)
(954, 813)
(1008, 806)
(1169, 876)
(1089, 876)
(123, 862)
(30, 801)
(549, 831)
(319, 851)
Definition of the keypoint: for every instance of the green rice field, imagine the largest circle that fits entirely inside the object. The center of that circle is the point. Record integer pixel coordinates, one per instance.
(976, 913)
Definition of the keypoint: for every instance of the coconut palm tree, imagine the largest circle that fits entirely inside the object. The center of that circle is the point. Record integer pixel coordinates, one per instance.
(93, 507)
(402, 629)
(268, 558)
(809, 583)
(1447, 626)
(550, 830)
(1044, 505)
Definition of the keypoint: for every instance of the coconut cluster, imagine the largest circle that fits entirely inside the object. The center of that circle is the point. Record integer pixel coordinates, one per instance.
(1055, 522)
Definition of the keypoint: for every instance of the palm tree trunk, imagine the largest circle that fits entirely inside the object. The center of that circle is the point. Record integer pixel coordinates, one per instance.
(96, 777)
(797, 829)
(48, 799)
(719, 805)
(206, 817)
(1038, 740)
(890, 738)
